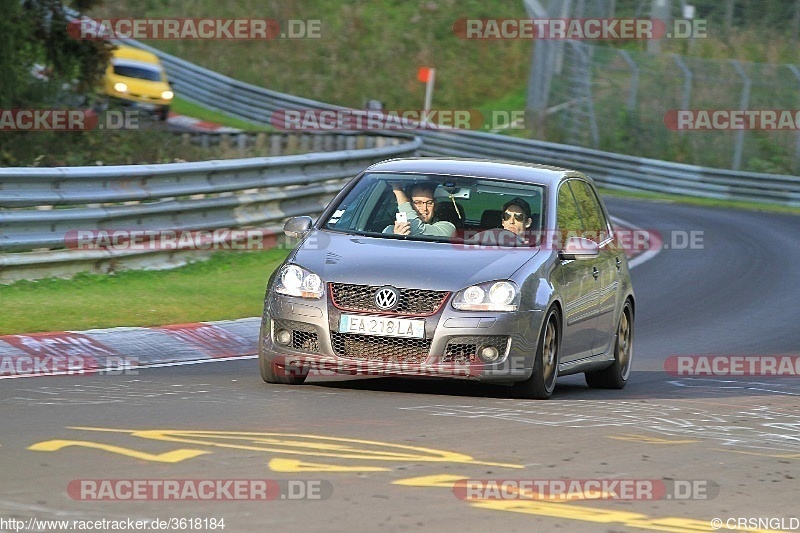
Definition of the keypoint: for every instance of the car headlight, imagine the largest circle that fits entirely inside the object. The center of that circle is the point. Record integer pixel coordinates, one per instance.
(120, 87)
(489, 296)
(293, 280)
(167, 95)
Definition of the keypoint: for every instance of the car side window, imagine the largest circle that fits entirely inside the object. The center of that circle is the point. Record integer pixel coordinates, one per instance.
(592, 215)
(568, 217)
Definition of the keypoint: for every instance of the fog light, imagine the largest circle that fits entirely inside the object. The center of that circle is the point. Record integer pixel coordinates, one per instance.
(283, 336)
(489, 354)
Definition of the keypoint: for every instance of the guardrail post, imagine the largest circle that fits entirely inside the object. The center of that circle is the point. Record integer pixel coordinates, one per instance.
(305, 143)
(292, 143)
(743, 103)
(796, 161)
(687, 81)
(276, 142)
(632, 94)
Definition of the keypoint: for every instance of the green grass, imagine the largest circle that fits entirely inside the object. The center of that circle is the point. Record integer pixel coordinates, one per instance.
(184, 107)
(230, 285)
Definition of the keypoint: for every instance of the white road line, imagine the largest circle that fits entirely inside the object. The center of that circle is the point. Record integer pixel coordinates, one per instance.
(102, 371)
(648, 255)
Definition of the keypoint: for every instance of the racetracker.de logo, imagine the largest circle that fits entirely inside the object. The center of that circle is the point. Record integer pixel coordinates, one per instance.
(47, 120)
(198, 489)
(591, 29)
(67, 120)
(732, 119)
(215, 29)
(160, 240)
(733, 365)
(395, 119)
(585, 489)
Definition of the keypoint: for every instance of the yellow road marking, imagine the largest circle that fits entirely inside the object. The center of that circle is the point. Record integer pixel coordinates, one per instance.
(558, 508)
(438, 480)
(603, 516)
(778, 455)
(648, 439)
(314, 445)
(450, 482)
(173, 456)
(293, 465)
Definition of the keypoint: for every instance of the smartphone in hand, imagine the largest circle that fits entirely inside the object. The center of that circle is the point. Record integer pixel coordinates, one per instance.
(401, 217)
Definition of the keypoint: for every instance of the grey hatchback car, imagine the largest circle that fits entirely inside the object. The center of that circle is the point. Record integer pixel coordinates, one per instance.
(514, 277)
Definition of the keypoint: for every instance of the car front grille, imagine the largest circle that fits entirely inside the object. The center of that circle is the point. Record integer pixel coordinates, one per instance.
(304, 336)
(417, 302)
(384, 349)
(465, 349)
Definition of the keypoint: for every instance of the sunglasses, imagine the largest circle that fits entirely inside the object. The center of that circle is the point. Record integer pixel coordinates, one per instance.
(519, 217)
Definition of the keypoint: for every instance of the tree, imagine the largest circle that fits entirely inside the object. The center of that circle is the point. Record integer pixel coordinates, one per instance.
(35, 32)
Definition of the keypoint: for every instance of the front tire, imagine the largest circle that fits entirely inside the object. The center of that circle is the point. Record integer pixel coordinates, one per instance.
(272, 373)
(616, 376)
(542, 382)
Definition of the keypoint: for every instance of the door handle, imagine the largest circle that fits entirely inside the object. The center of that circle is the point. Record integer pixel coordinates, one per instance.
(595, 272)
(619, 263)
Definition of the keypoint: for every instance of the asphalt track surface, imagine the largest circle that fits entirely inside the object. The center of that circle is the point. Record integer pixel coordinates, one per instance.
(362, 454)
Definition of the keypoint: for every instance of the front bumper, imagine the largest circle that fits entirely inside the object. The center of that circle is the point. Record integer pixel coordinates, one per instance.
(452, 339)
(142, 104)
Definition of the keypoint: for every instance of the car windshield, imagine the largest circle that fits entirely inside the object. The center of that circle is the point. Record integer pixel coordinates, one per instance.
(139, 72)
(473, 205)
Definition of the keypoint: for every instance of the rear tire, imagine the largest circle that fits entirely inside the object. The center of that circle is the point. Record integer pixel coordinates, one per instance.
(542, 382)
(616, 376)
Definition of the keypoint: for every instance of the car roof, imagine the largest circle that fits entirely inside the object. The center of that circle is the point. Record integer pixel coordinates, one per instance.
(484, 168)
(128, 52)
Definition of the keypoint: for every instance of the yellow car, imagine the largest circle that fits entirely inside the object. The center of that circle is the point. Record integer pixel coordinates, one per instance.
(135, 77)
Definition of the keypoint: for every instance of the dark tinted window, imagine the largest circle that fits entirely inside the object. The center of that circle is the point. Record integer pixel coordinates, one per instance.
(141, 73)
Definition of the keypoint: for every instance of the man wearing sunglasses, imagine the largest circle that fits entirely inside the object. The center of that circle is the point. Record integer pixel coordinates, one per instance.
(419, 212)
(516, 216)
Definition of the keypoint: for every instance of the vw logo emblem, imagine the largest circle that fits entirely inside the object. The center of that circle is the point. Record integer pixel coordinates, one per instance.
(387, 298)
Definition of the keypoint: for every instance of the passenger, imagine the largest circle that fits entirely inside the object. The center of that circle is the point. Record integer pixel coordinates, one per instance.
(516, 216)
(419, 212)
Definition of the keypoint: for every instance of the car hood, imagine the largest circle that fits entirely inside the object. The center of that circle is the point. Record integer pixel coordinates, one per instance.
(384, 261)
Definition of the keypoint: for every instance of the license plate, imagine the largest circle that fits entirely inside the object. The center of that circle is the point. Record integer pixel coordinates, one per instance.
(386, 327)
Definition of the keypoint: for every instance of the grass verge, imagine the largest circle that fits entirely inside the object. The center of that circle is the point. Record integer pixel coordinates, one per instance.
(230, 285)
(184, 107)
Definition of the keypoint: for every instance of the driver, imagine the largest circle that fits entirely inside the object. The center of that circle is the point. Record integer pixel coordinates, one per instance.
(419, 212)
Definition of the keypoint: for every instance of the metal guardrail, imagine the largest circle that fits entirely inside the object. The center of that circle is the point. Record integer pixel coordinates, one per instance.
(611, 170)
(39, 207)
(283, 143)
